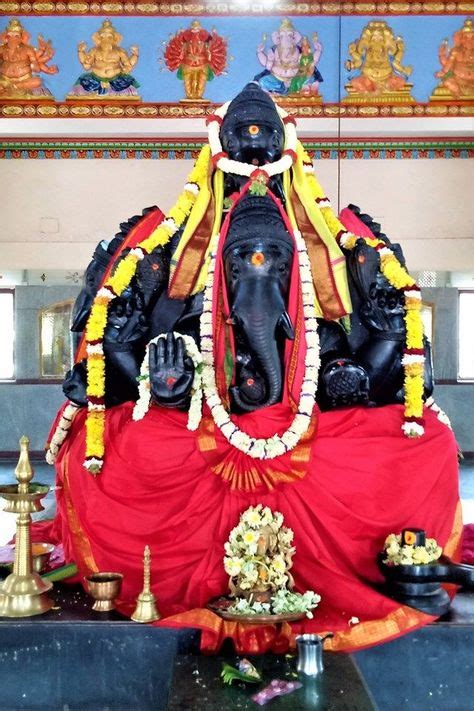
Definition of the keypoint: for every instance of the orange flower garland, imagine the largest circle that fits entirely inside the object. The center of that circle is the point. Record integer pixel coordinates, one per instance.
(115, 286)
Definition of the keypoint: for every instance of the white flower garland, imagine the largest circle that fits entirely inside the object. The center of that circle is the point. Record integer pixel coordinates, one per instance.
(195, 409)
(246, 169)
(441, 415)
(270, 447)
(61, 431)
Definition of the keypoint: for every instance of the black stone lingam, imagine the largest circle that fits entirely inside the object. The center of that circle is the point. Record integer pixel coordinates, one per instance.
(419, 586)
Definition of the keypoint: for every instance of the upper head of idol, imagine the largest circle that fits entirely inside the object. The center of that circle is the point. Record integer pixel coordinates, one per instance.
(252, 131)
(258, 245)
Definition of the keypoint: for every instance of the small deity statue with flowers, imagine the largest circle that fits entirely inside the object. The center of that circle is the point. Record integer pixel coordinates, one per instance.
(20, 64)
(107, 66)
(378, 55)
(457, 66)
(258, 560)
(198, 56)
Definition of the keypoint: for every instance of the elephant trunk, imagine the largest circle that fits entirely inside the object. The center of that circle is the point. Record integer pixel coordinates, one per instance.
(258, 311)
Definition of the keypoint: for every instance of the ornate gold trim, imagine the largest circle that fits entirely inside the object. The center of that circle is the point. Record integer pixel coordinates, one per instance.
(195, 9)
(114, 109)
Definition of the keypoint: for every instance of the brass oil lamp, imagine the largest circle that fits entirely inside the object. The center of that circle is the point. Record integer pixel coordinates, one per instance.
(24, 592)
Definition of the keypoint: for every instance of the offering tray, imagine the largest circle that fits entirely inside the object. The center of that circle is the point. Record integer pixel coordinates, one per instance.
(221, 604)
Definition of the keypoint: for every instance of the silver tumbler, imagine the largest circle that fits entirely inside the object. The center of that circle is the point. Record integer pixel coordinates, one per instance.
(310, 654)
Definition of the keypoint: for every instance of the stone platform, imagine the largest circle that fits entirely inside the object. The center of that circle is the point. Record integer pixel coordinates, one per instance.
(74, 659)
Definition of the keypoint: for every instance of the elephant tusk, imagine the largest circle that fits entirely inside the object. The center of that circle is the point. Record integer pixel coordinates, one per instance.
(285, 323)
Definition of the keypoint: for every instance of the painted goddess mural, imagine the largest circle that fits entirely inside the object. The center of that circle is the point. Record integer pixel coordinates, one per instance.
(290, 64)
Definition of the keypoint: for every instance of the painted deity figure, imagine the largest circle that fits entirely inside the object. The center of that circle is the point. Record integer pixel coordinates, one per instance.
(378, 55)
(457, 65)
(290, 64)
(197, 55)
(107, 66)
(20, 63)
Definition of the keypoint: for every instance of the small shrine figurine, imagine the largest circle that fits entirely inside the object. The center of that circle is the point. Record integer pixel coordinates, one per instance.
(457, 66)
(107, 66)
(198, 56)
(290, 64)
(20, 64)
(378, 54)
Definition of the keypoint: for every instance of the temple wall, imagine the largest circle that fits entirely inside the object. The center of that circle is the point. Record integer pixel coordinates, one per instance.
(55, 211)
(29, 407)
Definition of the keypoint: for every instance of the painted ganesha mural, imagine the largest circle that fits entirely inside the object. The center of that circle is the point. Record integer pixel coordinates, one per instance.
(295, 60)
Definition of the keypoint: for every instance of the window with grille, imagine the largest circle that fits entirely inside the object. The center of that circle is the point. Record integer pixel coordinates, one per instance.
(55, 340)
(466, 336)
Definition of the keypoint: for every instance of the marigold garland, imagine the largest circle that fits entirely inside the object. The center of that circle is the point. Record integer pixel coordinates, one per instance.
(397, 276)
(115, 285)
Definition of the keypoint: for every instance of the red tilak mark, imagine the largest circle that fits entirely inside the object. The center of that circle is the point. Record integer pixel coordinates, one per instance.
(155, 266)
(361, 259)
(250, 382)
(170, 381)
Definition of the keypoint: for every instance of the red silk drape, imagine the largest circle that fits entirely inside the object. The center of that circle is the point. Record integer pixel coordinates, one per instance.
(363, 479)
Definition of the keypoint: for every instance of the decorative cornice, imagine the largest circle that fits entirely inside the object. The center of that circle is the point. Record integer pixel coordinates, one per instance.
(186, 149)
(148, 9)
(102, 109)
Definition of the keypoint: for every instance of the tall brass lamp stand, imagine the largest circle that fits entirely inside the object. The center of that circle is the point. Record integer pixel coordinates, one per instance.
(24, 592)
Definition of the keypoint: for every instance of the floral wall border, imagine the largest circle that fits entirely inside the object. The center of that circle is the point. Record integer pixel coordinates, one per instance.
(64, 110)
(185, 149)
(140, 8)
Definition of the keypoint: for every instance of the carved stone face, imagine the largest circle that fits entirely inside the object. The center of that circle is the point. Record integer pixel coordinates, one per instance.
(252, 131)
(253, 143)
(258, 256)
(262, 260)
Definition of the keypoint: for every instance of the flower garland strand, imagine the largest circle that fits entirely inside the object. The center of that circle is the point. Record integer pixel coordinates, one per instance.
(115, 286)
(61, 431)
(270, 447)
(397, 276)
(195, 409)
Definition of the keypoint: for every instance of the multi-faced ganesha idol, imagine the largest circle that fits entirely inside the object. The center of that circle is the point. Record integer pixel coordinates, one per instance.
(251, 347)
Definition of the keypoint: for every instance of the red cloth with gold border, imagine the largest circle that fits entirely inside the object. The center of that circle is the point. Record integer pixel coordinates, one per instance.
(356, 479)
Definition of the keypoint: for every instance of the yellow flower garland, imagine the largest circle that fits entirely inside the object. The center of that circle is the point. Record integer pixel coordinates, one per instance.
(115, 285)
(398, 277)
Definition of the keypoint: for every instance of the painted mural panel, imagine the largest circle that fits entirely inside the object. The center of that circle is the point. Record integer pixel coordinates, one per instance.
(307, 62)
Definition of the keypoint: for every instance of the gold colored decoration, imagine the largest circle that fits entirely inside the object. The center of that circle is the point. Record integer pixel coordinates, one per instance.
(20, 64)
(24, 592)
(197, 55)
(330, 8)
(146, 610)
(457, 67)
(378, 54)
(108, 68)
(295, 107)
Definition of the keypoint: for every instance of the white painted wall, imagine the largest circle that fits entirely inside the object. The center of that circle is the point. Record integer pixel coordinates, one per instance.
(55, 211)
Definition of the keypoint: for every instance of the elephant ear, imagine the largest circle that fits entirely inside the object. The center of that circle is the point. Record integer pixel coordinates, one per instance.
(297, 37)
(276, 37)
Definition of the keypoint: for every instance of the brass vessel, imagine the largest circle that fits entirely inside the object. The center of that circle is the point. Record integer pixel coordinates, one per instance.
(24, 592)
(145, 610)
(104, 588)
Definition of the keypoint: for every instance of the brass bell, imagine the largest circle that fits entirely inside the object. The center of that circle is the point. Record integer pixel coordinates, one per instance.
(146, 610)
